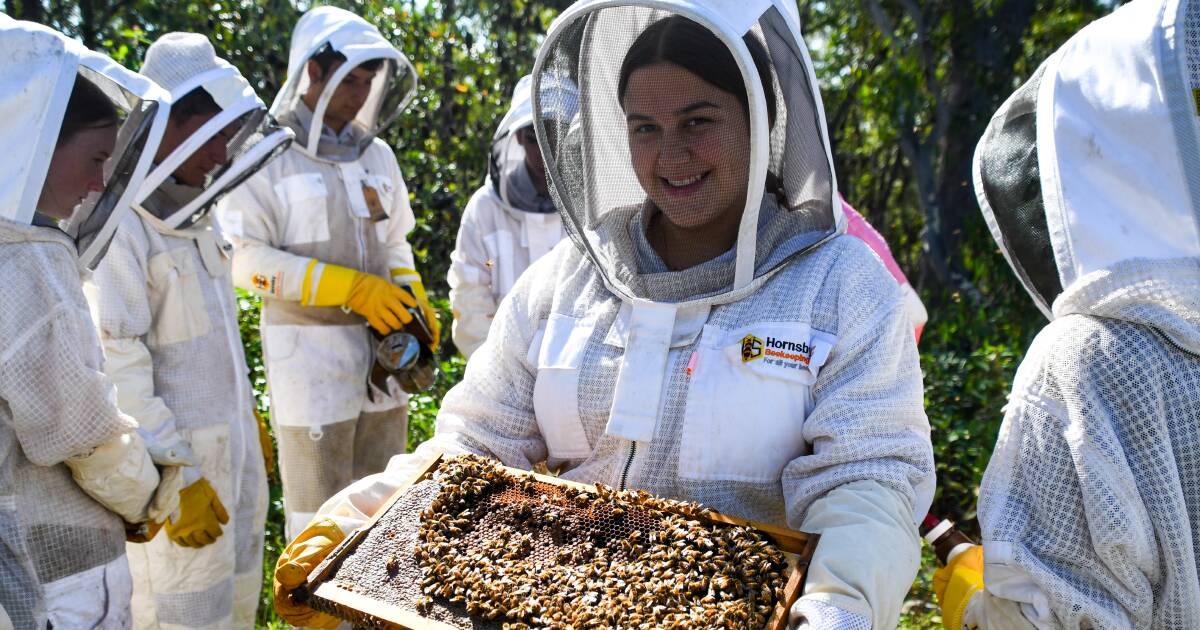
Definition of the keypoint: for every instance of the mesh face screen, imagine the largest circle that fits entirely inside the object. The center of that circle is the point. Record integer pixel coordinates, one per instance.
(392, 85)
(239, 139)
(654, 170)
(524, 553)
(93, 219)
(1008, 163)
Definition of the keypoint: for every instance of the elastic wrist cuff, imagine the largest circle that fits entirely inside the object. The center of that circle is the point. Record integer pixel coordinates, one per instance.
(306, 286)
(403, 275)
(333, 286)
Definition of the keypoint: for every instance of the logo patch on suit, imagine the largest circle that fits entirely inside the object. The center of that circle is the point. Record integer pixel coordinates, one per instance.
(752, 348)
(777, 351)
(267, 284)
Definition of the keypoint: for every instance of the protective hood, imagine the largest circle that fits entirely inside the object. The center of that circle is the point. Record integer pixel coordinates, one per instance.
(237, 141)
(507, 171)
(36, 81)
(394, 84)
(1093, 164)
(701, 165)
(691, 115)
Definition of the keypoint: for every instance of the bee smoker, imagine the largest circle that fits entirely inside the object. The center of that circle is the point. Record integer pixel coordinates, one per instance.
(407, 355)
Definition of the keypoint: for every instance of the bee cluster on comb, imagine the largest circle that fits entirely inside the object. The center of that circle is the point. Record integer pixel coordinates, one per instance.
(472, 544)
(538, 555)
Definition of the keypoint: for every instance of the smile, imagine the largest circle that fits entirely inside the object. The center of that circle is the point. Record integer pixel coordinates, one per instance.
(686, 185)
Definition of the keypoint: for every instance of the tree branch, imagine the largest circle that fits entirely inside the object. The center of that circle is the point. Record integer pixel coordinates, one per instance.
(884, 23)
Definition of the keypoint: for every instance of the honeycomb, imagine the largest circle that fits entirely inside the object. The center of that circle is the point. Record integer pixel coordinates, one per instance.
(531, 554)
(473, 546)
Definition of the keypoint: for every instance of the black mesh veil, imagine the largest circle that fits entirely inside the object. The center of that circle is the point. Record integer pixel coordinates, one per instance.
(1009, 187)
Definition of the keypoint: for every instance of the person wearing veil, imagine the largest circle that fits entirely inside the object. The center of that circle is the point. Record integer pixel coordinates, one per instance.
(321, 235)
(708, 333)
(79, 134)
(1089, 179)
(168, 320)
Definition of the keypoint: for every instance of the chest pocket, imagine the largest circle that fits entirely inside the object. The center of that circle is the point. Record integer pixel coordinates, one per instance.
(557, 351)
(385, 197)
(177, 296)
(306, 216)
(750, 390)
(501, 250)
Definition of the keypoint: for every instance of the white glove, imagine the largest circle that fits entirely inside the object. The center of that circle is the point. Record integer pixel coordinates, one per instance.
(178, 470)
(119, 475)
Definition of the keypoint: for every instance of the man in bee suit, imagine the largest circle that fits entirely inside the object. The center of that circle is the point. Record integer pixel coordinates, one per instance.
(1089, 178)
(74, 473)
(509, 223)
(773, 376)
(165, 307)
(321, 233)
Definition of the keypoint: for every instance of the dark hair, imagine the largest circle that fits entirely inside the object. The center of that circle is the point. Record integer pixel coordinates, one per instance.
(198, 102)
(87, 108)
(687, 44)
(691, 46)
(327, 56)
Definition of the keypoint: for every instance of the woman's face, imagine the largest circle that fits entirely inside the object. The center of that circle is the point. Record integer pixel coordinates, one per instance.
(76, 169)
(690, 144)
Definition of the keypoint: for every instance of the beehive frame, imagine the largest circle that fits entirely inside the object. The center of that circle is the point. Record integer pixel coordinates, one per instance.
(798, 547)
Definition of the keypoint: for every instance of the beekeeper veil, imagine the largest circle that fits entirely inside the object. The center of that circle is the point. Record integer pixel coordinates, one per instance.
(329, 29)
(694, 113)
(507, 172)
(1095, 160)
(40, 70)
(185, 183)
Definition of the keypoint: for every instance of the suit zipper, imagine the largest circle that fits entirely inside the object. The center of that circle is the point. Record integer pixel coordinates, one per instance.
(628, 464)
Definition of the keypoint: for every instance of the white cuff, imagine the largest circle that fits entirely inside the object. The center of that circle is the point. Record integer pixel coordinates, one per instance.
(812, 614)
(119, 475)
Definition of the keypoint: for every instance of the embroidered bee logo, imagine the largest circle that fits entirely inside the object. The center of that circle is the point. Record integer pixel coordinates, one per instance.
(752, 348)
(261, 282)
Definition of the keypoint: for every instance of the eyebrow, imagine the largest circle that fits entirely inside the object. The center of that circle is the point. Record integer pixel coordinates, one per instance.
(697, 105)
(679, 112)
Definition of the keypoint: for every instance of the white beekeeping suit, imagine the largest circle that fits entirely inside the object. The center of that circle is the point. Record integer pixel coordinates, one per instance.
(72, 468)
(164, 303)
(506, 226)
(333, 205)
(778, 381)
(1089, 177)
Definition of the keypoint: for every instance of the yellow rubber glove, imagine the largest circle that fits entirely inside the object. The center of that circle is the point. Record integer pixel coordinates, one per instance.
(201, 516)
(383, 304)
(301, 556)
(264, 440)
(429, 312)
(411, 279)
(956, 583)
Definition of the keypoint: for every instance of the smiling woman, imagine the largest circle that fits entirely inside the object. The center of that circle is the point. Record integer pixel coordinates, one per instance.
(693, 174)
(688, 118)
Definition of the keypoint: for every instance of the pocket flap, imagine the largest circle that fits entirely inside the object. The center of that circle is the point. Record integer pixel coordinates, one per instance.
(563, 342)
(296, 188)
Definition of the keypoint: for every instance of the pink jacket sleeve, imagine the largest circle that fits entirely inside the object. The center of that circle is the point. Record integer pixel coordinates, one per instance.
(858, 227)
